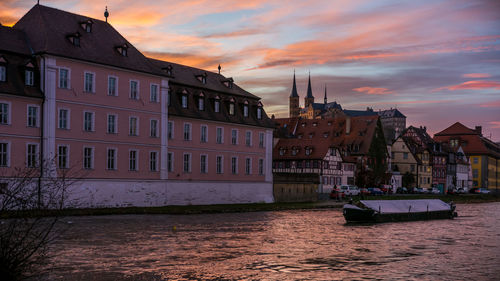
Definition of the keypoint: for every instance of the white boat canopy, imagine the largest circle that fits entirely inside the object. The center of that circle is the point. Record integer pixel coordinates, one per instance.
(406, 206)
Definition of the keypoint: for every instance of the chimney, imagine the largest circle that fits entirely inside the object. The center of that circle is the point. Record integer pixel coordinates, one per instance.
(348, 125)
(479, 130)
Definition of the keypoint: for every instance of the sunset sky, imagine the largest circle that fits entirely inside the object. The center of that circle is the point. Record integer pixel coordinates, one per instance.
(437, 61)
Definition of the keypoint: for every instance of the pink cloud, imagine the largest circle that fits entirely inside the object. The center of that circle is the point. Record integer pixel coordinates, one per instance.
(472, 85)
(495, 124)
(373, 91)
(491, 104)
(476, 75)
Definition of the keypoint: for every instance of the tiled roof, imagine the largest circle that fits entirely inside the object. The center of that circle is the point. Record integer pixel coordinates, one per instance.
(331, 132)
(16, 54)
(357, 113)
(47, 30)
(457, 129)
(390, 113)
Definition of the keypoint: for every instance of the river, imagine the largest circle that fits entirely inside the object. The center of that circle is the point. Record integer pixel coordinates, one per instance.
(284, 245)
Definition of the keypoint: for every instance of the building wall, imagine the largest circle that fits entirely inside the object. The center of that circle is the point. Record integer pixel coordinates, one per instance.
(403, 158)
(424, 171)
(476, 164)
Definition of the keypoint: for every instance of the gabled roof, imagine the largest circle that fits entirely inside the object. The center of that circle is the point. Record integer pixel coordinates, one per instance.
(47, 30)
(14, 41)
(457, 129)
(390, 113)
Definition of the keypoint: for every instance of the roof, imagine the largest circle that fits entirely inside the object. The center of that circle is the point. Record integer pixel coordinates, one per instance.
(48, 30)
(391, 113)
(15, 56)
(330, 132)
(187, 76)
(309, 90)
(14, 41)
(294, 94)
(357, 113)
(471, 141)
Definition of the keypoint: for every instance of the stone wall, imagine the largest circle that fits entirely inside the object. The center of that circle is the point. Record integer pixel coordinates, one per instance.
(295, 187)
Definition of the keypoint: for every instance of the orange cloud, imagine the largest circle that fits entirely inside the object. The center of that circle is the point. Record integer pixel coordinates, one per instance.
(476, 75)
(200, 61)
(472, 85)
(373, 91)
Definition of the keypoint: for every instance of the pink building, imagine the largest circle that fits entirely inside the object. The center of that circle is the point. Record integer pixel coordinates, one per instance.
(132, 127)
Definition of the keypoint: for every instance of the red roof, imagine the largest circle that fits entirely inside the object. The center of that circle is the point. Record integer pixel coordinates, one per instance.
(456, 129)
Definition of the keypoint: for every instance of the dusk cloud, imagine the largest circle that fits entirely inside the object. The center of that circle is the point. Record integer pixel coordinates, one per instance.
(373, 91)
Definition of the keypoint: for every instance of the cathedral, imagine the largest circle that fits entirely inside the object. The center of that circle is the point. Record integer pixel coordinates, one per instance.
(311, 110)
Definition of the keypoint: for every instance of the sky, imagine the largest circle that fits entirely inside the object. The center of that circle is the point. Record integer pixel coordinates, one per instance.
(437, 61)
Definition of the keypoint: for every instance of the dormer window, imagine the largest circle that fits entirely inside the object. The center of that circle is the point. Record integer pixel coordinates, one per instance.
(87, 25)
(29, 75)
(325, 135)
(228, 82)
(201, 102)
(168, 70)
(184, 99)
(311, 135)
(308, 150)
(315, 124)
(329, 123)
(217, 104)
(202, 78)
(282, 151)
(122, 50)
(299, 136)
(231, 106)
(245, 109)
(259, 111)
(303, 124)
(74, 39)
(3, 69)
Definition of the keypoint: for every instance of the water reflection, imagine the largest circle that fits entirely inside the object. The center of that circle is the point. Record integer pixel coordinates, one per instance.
(287, 245)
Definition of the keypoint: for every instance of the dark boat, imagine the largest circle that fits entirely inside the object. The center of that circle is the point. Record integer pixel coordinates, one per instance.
(398, 210)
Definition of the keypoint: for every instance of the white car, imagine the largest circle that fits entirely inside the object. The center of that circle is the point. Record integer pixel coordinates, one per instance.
(351, 190)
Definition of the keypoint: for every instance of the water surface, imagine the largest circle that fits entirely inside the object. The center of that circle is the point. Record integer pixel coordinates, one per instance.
(284, 245)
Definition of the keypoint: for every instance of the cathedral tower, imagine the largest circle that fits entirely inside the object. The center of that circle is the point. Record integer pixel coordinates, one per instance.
(309, 99)
(294, 100)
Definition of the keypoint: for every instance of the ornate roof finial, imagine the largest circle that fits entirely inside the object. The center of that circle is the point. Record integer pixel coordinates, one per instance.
(106, 14)
(325, 95)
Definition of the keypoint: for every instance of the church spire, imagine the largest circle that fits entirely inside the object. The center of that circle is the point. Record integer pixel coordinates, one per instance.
(294, 88)
(326, 101)
(309, 90)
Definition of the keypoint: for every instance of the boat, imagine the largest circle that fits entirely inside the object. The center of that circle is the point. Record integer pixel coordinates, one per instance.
(398, 210)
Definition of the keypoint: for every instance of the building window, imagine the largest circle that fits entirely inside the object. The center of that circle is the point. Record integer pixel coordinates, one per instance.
(231, 108)
(153, 96)
(248, 138)
(112, 124)
(170, 162)
(475, 160)
(184, 101)
(88, 158)
(3, 73)
(259, 112)
(89, 82)
(4, 154)
(62, 157)
(261, 140)
(170, 130)
(201, 103)
(132, 160)
(219, 165)
(219, 135)
(261, 167)
(29, 77)
(32, 155)
(475, 173)
(111, 159)
(153, 161)
(187, 162)
(133, 126)
(245, 110)
(134, 90)
(405, 155)
(4, 113)
(187, 131)
(63, 119)
(63, 78)
(204, 133)
(203, 164)
(234, 136)
(248, 166)
(112, 86)
(32, 116)
(217, 106)
(153, 130)
(88, 121)
(234, 165)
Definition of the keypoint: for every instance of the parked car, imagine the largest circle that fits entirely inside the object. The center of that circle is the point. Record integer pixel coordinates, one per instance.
(375, 191)
(349, 190)
(402, 190)
(481, 191)
(337, 194)
(435, 191)
(364, 191)
(421, 190)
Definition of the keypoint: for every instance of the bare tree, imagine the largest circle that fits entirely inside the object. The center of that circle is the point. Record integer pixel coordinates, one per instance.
(30, 208)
